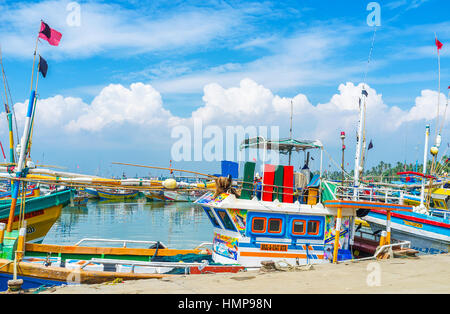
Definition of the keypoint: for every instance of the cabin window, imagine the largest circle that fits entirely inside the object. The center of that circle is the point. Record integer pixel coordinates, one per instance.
(275, 225)
(298, 227)
(212, 217)
(259, 225)
(439, 204)
(313, 227)
(227, 223)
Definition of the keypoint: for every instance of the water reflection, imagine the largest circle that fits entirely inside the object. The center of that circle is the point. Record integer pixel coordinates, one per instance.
(177, 225)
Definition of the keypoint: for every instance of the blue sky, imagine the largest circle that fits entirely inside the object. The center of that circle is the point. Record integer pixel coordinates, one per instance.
(176, 49)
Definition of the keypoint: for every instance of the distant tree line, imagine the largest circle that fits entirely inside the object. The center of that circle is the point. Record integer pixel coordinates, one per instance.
(385, 171)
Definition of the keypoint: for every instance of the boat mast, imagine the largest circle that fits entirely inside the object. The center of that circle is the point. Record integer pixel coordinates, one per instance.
(438, 134)
(363, 150)
(358, 146)
(362, 124)
(424, 170)
(8, 113)
(24, 142)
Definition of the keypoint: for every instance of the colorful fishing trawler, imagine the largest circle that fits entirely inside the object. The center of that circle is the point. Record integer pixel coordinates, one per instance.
(275, 220)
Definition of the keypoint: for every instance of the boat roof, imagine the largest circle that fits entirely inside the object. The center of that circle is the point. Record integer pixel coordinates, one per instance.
(284, 145)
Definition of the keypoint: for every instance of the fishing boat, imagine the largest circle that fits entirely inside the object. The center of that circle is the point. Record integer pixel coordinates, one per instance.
(31, 192)
(250, 228)
(91, 193)
(80, 199)
(428, 234)
(154, 196)
(39, 213)
(426, 226)
(50, 265)
(182, 196)
(117, 194)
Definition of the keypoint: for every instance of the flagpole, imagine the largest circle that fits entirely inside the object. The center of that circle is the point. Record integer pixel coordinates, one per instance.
(20, 163)
(23, 144)
(437, 142)
(34, 58)
(34, 110)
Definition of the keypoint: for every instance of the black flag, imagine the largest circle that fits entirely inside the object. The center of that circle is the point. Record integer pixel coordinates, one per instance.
(364, 92)
(370, 145)
(45, 30)
(43, 66)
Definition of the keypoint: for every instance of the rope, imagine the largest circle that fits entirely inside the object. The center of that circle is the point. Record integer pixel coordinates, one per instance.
(22, 205)
(284, 265)
(6, 264)
(337, 166)
(370, 55)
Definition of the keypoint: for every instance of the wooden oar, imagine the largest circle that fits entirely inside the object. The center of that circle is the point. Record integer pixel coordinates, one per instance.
(162, 168)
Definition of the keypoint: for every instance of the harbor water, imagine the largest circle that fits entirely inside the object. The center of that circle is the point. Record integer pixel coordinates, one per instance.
(178, 225)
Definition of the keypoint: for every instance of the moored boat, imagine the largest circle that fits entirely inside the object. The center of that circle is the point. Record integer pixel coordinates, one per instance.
(182, 196)
(154, 196)
(40, 213)
(91, 193)
(117, 194)
(50, 265)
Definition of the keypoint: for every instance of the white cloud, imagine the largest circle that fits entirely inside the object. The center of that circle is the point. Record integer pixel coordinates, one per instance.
(425, 107)
(137, 114)
(140, 104)
(107, 27)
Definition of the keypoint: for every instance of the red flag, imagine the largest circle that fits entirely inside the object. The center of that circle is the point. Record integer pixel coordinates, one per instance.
(439, 44)
(53, 37)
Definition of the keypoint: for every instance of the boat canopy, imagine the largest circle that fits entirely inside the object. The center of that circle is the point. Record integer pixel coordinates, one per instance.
(284, 145)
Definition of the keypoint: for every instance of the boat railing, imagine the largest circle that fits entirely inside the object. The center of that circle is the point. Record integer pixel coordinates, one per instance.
(203, 245)
(384, 248)
(371, 194)
(439, 213)
(124, 242)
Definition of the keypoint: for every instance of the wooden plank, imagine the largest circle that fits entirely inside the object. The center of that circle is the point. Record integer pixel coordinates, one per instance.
(69, 275)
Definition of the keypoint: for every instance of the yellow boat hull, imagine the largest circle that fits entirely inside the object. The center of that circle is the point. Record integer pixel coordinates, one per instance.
(38, 222)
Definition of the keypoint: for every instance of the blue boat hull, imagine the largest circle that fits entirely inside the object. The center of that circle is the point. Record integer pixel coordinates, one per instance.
(28, 282)
(428, 235)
